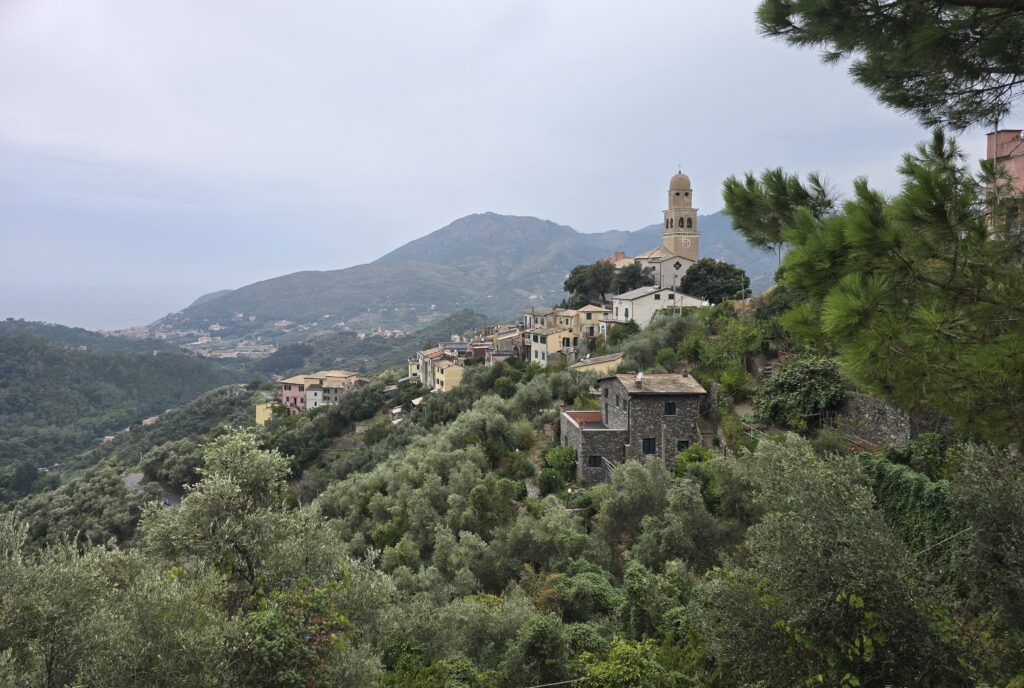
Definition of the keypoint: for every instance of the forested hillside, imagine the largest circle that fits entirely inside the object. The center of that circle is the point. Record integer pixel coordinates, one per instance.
(95, 504)
(56, 401)
(722, 572)
(456, 547)
(77, 337)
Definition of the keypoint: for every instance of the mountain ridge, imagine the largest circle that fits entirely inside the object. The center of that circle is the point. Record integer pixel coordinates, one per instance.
(488, 262)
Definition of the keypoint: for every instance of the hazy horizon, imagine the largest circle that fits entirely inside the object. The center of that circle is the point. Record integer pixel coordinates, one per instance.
(152, 154)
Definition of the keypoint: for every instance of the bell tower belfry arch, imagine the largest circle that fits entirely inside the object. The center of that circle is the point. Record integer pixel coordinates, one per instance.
(680, 235)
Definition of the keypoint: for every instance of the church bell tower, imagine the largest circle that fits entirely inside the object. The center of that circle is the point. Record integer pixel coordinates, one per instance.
(680, 235)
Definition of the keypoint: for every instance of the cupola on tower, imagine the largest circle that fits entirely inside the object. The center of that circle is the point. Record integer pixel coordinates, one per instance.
(680, 236)
(680, 240)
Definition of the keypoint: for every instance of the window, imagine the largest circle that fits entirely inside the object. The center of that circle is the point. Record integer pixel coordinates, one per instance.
(670, 408)
(616, 311)
(677, 265)
(594, 461)
(682, 445)
(627, 312)
(680, 223)
(588, 315)
(672, 296)
(670, 223)
(650, 446)
(657, 297)
(689, 223)
(604, 392)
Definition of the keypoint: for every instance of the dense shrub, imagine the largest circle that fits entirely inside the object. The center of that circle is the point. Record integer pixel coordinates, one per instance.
(800, 393)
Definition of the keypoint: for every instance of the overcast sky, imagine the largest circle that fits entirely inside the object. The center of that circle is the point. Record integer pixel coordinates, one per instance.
(152, 151)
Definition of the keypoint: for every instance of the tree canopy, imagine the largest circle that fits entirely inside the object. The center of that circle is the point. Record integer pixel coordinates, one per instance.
(949, 62)
(715, 280)
(761, 206)
(592, 282)
(920, 294)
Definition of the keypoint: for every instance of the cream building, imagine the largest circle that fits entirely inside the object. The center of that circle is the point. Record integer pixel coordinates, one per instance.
(550, 344)
(447, 375)
(641, 304)
(680, 240)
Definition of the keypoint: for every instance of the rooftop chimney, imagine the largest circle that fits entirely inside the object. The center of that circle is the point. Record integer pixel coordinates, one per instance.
(640, 380)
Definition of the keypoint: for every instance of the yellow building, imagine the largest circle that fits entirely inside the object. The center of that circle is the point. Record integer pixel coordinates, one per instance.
(414, 367)
(447, 375)
(590, 318)
(264, 411)
(603, 366)
(550, 344)
(567, 318)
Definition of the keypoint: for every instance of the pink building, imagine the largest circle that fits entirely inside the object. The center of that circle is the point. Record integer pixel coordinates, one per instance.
(322, 388)
(1007, 147)
(293, 394)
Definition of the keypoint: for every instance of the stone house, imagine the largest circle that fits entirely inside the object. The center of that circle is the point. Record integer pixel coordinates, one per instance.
(641, 417)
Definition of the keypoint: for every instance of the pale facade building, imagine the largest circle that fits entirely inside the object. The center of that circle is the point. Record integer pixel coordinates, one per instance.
(680, 238)
(641, 304)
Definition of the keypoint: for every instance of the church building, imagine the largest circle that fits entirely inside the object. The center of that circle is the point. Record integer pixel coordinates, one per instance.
(680, 240)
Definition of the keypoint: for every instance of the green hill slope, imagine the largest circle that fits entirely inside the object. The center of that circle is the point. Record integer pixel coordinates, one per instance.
(55, 402)
(79, 338)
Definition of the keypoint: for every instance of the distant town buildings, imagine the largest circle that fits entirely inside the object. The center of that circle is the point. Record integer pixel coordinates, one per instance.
(440, 368)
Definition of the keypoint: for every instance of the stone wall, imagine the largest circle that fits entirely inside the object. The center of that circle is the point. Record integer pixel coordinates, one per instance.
(879, 423)
(647, 419)
(615, 403)
(606, 443)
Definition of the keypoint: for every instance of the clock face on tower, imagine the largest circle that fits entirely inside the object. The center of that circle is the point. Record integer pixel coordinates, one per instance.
(686, 243)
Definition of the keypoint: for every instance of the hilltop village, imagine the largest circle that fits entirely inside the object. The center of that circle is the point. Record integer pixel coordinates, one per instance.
(661, 408)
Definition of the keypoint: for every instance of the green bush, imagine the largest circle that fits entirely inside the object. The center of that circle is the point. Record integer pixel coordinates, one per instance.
(562, 460)
(830, 442)
(735, 380)
(692, 454)
(667, 359)
(622, 332)
(550, 481)
(799, 393)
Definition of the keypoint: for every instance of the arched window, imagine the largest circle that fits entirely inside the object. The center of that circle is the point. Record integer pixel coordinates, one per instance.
(680, 223)
(666, 224)
(689, 223)
(670, 224)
